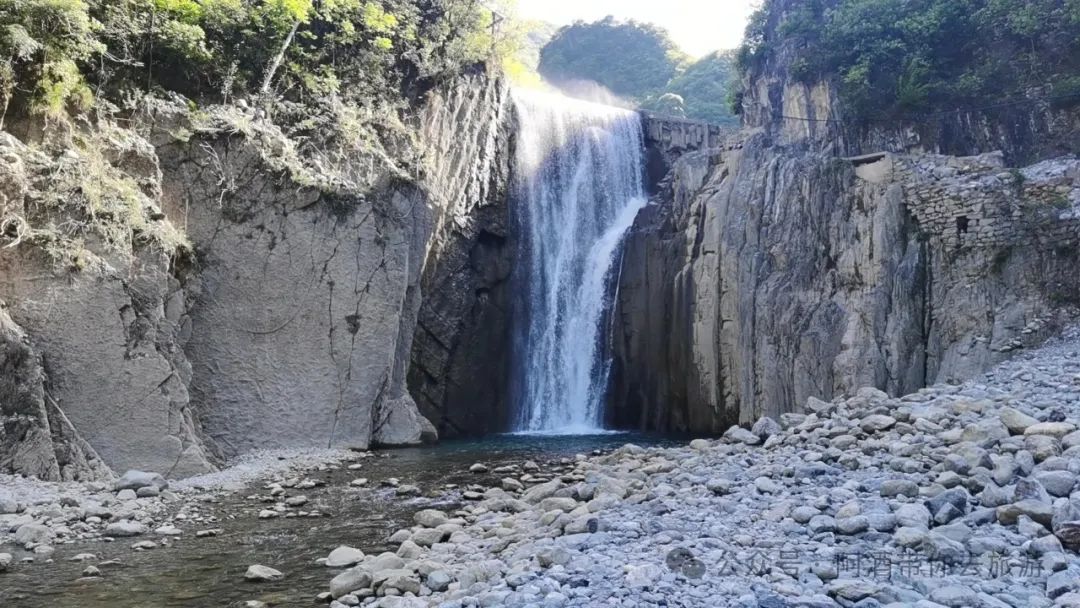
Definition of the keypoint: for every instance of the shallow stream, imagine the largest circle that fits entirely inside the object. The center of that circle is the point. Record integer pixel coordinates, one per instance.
(208, 572)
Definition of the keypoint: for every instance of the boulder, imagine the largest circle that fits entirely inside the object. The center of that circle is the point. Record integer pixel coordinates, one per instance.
(344, 557)
(891, 488)
(349, 581)
(259, 573)
(133, 480)
(1016, 421)
(1056, 430)
(737, 434)
(125, 528)
(875, 423)
(765, 427)
(34, 534)
(1035, 509)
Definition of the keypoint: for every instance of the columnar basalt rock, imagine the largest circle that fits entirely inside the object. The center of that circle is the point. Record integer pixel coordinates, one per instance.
(764, 275)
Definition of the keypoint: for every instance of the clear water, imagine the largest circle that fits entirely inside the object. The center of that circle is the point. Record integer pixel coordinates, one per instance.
(198, 572)
(577, 189)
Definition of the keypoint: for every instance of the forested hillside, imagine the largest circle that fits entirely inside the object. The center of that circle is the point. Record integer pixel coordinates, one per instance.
(639, 62)
(895, 59)
(61, 53)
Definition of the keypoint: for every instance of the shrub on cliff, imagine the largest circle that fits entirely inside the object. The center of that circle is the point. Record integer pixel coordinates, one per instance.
(898, 59)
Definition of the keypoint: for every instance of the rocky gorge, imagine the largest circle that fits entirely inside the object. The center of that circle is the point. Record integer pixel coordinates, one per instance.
(893, 269)
(870, 329)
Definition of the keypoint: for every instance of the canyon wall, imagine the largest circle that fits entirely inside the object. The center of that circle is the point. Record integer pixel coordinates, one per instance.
(285, 320)
(460, 364)
(806, 257)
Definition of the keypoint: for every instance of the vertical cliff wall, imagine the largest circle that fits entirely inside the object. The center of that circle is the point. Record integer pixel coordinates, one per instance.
(810, 255)
(285, 320)
(764, 274)
(105, 320)
(458, 362)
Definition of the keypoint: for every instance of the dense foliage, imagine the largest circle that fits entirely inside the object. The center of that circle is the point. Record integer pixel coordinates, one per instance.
(703, 88)
(629, 58)
(905, 58)
(639, 62)
(54, 54)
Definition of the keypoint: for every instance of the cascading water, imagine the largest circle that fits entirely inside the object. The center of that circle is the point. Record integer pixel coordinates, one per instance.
(578, 186)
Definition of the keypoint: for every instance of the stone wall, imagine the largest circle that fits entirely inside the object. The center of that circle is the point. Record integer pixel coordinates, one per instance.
(977, 202)
(668, 138)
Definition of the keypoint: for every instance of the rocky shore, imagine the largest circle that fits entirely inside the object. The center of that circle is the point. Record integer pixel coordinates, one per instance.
(143, 508)
(951, 496)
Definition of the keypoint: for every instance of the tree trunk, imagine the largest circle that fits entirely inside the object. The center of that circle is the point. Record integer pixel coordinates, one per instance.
(276, 63)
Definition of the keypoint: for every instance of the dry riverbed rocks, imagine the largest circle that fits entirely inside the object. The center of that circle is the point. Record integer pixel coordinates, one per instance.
(139, 508)
(952, 496)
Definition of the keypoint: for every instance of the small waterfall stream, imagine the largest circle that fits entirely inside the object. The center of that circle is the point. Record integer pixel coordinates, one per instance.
(578, 185)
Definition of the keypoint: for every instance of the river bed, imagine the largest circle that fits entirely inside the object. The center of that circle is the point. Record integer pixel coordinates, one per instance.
(196, 572)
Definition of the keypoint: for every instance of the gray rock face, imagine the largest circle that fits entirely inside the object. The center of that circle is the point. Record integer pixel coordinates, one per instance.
(768, 269)
(113, 364)
(464, 321)
(763, 276)
(36, 438)
(290, 324)
(299, 306)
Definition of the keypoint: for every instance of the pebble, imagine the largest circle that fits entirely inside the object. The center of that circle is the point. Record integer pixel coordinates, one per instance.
(946, 473)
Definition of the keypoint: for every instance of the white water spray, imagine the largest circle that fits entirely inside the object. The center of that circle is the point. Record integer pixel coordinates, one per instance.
(578, 188)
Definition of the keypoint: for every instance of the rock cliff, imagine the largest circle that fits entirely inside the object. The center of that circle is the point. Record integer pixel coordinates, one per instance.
(286, 316)
(459, 362)
(805, 258)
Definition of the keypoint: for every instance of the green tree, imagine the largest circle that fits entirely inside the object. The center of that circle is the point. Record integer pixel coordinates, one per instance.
(704, 88)
(629, 58)
(904, 59)
(53, 53)
(41, 45)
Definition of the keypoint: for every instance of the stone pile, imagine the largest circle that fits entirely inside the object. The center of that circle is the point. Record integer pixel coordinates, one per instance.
(951, 496)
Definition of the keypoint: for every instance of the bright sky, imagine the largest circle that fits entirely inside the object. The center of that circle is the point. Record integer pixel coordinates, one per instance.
(698, 26)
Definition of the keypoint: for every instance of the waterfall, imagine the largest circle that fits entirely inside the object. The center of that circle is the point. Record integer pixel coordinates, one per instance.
(577, 187)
